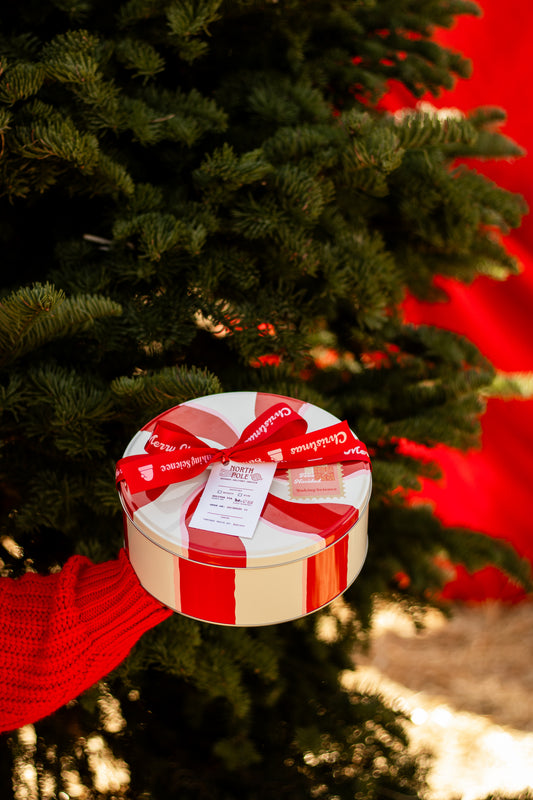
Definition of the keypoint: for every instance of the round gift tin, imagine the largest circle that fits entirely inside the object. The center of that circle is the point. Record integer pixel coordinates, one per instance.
(308, 547)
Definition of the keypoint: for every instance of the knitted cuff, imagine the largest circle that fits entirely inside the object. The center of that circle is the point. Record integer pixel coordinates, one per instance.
(115, 608)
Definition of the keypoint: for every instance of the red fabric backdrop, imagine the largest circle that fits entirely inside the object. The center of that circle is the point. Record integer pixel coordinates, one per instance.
(490, 490)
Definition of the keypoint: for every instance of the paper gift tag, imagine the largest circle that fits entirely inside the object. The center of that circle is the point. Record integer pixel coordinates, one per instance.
(233, 498)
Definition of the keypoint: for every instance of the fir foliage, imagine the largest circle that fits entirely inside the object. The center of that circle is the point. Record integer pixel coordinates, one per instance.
(200, 197)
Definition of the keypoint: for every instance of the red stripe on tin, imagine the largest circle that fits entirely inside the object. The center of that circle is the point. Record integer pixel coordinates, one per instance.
(329, 520)
(207, 592)
(209, 547)
(264, 401)
(199, 421)
(350, 467)
(134, 501)
(125, 529)
(327, 575)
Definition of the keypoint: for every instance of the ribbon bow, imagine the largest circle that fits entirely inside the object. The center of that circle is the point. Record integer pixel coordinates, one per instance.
(278, 434)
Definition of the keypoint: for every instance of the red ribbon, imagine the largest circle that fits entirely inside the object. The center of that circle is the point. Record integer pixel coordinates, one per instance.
(278, 434)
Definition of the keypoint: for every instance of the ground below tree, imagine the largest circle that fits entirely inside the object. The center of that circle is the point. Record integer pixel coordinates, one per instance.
(467, 686)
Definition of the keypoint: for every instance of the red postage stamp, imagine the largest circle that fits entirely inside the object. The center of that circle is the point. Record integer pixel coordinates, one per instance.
(323, 480)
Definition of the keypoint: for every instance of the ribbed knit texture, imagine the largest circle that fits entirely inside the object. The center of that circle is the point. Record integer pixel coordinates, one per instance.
(61, 633)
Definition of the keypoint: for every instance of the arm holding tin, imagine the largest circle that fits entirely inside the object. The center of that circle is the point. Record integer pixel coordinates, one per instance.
(61, 633)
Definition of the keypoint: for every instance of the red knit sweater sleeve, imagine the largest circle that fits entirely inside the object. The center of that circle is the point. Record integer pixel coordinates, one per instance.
(61, 633)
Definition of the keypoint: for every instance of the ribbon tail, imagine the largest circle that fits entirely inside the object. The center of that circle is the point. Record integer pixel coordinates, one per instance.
(151, 471)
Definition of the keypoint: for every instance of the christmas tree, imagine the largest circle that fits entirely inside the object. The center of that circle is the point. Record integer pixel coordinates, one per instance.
(201, 197)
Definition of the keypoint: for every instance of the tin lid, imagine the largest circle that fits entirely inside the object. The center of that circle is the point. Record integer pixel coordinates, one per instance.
(307, 509)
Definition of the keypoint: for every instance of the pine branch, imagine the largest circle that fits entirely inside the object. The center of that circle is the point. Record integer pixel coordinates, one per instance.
(19, 311)
(33, 316)
(223, 172)
(431, 128)
(21, 81)
(490, 142)
(57, 138)
(157, 234)
(140, 57)
(150, 394)
(188, 21)
(171, 116)
(67, 409)
(511, 386)
(72, 57)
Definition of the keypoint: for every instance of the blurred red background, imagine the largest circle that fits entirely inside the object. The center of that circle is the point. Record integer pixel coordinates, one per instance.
(489, 490)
